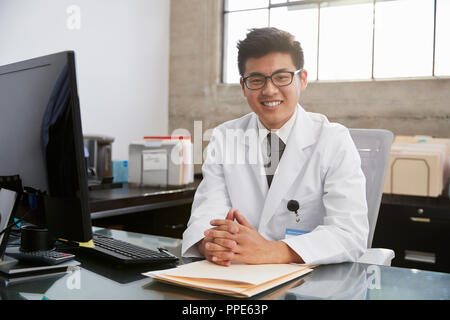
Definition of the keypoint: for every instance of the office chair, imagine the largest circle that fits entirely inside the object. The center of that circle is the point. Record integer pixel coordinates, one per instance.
(374, 146)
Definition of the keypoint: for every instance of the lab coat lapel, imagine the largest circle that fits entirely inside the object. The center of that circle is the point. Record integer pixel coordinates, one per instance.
(254, 156)
(291, 163)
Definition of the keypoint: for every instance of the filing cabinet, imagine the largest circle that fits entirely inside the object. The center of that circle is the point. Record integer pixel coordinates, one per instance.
(417, 229)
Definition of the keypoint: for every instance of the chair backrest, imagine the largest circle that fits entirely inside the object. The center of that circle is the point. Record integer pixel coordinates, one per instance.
(373, 146)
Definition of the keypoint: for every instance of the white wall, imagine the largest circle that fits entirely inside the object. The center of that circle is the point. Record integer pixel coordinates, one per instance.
(122, 55)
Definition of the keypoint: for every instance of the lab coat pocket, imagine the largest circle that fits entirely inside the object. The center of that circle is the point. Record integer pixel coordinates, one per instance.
(308, 216)
(304, 202)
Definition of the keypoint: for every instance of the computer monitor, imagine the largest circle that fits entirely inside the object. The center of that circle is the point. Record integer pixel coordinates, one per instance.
(41, 139)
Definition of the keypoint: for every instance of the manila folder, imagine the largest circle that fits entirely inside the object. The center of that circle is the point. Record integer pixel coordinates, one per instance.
(237, 280)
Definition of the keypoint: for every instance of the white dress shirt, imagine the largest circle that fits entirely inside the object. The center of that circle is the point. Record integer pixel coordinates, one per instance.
(283, 133)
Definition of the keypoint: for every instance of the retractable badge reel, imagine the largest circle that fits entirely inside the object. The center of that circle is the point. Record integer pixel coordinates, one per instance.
(294, 207)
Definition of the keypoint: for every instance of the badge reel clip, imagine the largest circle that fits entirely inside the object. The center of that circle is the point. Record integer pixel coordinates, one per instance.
(294, 207)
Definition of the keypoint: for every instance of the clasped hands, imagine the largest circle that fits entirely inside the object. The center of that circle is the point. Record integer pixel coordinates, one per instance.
(235, 239)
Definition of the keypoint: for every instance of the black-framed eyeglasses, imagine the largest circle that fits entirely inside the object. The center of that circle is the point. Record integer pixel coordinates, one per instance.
(279, 79)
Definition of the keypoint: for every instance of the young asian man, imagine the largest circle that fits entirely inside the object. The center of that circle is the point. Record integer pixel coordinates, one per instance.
(240, 210)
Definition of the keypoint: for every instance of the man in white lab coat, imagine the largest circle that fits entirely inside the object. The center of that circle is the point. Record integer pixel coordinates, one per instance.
(279, 184)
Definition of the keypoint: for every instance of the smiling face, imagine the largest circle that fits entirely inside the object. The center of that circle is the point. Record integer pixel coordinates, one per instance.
(273, 105)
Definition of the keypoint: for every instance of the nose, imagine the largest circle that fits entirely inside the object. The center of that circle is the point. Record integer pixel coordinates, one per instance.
(269, 88)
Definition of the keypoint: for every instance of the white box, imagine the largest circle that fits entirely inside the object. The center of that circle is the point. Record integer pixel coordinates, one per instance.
(161, 161)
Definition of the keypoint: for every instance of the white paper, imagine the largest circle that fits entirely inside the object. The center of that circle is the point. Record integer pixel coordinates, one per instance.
(245, 273)
(154, 159)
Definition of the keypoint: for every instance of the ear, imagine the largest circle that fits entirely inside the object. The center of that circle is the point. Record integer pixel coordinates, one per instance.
(303, 79)
(243, 87)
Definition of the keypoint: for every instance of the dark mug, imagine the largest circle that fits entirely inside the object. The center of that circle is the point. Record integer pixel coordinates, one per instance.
(35, 239)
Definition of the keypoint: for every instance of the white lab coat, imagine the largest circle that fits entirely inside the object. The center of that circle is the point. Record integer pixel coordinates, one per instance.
(320, 168)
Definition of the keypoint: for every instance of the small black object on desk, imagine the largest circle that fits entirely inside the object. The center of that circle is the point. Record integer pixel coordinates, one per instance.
(35, 239)
(37, 246)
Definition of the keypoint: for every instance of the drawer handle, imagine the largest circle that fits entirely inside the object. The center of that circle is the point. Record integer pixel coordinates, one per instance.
(175, 226)
(423, 220)
(419, 256)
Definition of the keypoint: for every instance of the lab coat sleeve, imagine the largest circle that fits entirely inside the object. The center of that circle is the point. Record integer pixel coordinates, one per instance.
(344, 232)
(211, 200)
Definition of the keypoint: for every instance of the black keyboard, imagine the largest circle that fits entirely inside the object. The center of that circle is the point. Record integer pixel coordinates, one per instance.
(126, 253)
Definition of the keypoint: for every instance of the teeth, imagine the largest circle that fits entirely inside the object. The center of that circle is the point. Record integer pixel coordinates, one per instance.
(271, 104)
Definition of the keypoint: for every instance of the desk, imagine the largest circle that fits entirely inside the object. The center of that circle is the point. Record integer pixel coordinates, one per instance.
(95, 280)
(150, 210)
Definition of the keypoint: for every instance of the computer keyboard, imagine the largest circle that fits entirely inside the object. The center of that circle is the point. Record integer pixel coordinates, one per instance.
(126, 253)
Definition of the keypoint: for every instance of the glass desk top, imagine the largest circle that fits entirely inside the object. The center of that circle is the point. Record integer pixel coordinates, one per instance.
(97, 279)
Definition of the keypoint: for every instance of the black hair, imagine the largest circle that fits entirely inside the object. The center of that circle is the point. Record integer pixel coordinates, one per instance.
(262, 41)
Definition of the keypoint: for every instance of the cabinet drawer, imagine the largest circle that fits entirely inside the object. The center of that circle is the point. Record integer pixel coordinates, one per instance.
(419, 212)
(427, 233)
(414, 228)
(419, 235)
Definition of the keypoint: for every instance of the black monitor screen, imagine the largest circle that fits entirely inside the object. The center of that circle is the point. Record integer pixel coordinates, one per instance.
(41, 139)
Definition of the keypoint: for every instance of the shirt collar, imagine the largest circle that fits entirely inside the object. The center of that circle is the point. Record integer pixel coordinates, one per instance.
(283, 132)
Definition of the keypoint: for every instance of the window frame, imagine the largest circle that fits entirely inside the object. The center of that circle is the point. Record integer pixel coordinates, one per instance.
(289, 3)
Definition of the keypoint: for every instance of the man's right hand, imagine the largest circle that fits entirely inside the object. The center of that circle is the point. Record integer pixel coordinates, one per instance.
(218, 250)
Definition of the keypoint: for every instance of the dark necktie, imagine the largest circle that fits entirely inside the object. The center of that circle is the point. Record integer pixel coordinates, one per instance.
(275, 149)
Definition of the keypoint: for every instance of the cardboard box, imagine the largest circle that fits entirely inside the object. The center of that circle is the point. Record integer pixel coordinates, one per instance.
(418, 166)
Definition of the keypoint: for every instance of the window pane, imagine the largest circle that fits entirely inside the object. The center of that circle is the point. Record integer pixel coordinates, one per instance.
(237, 25)
(403, 38)
(442, 54)
(303, 24)
(231, 5)
(345, 48)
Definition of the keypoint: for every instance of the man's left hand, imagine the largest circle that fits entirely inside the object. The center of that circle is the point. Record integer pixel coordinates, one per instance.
(251, 248)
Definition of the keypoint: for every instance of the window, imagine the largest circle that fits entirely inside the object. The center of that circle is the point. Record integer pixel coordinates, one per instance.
(349, 56)
(237, 25)
(296, 20)
(442, 47)
(404, 46)
(349, 39)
